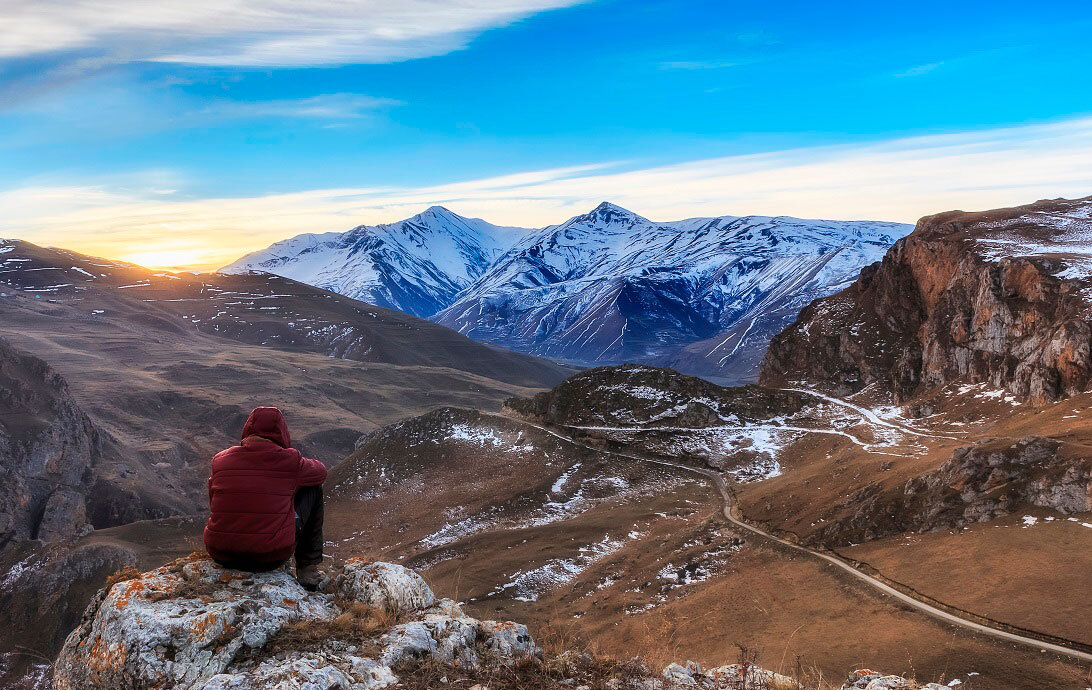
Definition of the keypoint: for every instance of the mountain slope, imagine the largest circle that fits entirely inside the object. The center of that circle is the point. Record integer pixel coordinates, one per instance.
(417, 265)
(257, 309)
(999, 297)
(703, 294)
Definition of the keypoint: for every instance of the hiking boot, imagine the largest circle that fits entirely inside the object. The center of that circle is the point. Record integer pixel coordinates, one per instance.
(310, 577)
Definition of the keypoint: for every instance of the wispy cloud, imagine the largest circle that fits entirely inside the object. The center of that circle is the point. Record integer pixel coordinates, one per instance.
(900, 179)
(919, 70)
(263, 33)
(333, 106)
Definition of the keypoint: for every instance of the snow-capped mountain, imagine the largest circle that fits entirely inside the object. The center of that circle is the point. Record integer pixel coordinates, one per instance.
(417, 265)
(703, 295)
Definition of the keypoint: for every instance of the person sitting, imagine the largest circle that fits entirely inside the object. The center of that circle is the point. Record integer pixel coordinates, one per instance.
(265, 502)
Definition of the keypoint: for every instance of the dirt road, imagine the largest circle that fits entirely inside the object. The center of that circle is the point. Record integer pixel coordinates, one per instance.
(731, 514)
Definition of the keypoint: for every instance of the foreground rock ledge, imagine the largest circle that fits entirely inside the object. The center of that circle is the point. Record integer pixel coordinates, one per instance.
(193, 625)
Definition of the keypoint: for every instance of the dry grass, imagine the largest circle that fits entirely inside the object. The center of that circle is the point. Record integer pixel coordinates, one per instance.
(358, 625)
(124, 575)
(528, 673)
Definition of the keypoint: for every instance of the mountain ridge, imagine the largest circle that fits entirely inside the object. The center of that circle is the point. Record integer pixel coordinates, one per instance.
(610, 286)
(702, 294)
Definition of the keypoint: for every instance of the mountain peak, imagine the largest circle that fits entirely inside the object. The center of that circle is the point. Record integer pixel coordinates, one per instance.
(606, 212)
(437, 211)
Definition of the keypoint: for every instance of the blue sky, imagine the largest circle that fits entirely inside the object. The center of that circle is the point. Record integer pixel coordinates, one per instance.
(205, 132)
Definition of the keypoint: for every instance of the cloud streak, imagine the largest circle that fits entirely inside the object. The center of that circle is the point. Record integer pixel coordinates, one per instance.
(333, 106)
(900, 179)
(255, 33)
(919, 70)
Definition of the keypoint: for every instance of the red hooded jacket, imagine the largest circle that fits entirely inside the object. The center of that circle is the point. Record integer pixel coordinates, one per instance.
(251, 490)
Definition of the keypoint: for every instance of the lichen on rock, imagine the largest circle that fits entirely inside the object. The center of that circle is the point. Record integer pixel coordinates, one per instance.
(194, 625)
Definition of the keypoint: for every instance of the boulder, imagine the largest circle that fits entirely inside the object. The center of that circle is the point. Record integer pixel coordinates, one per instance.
(383, 586)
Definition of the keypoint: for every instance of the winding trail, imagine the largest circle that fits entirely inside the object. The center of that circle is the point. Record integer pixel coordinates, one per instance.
(731, 513)
(868, 414)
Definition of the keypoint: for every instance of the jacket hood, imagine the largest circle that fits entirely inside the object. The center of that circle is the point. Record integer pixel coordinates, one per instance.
(269, 423)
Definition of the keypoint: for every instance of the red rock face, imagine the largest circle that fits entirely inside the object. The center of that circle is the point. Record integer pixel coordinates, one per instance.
(947, 303)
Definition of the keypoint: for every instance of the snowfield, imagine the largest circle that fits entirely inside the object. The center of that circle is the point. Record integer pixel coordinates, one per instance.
(1071, 243)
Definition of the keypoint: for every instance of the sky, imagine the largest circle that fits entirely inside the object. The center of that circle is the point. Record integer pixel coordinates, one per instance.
(187, 134)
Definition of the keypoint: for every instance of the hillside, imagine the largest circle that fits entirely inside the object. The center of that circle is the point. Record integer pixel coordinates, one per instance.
(255, 309)
(547, 514)
(137, 377)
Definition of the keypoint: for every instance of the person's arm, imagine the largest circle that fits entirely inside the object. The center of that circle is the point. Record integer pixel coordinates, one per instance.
(311, 473)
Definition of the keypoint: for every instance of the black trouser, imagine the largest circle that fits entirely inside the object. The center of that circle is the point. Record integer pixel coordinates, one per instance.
(308, 503)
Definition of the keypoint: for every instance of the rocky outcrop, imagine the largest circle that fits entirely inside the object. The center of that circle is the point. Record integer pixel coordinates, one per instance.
(634, 394)
(60, 474)
(997, 297)
(192, 624)
(991, 479)
(47, 448)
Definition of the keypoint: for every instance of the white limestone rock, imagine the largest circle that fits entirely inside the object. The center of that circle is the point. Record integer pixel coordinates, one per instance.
(192, 625)
(383, 586)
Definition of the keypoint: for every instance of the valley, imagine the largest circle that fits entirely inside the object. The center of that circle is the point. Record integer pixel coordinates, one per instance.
(909, 488)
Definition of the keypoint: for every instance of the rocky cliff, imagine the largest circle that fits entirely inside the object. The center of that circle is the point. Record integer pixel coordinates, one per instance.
(999, 297)
(47, 448)
(58, 470)
(990, 479)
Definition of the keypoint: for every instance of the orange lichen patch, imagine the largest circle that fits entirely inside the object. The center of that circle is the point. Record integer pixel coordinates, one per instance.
(225, 636)
(106, 657)
(179, 563)
(290, 602)
(128, 591)
(202, 626)
(126, 573)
